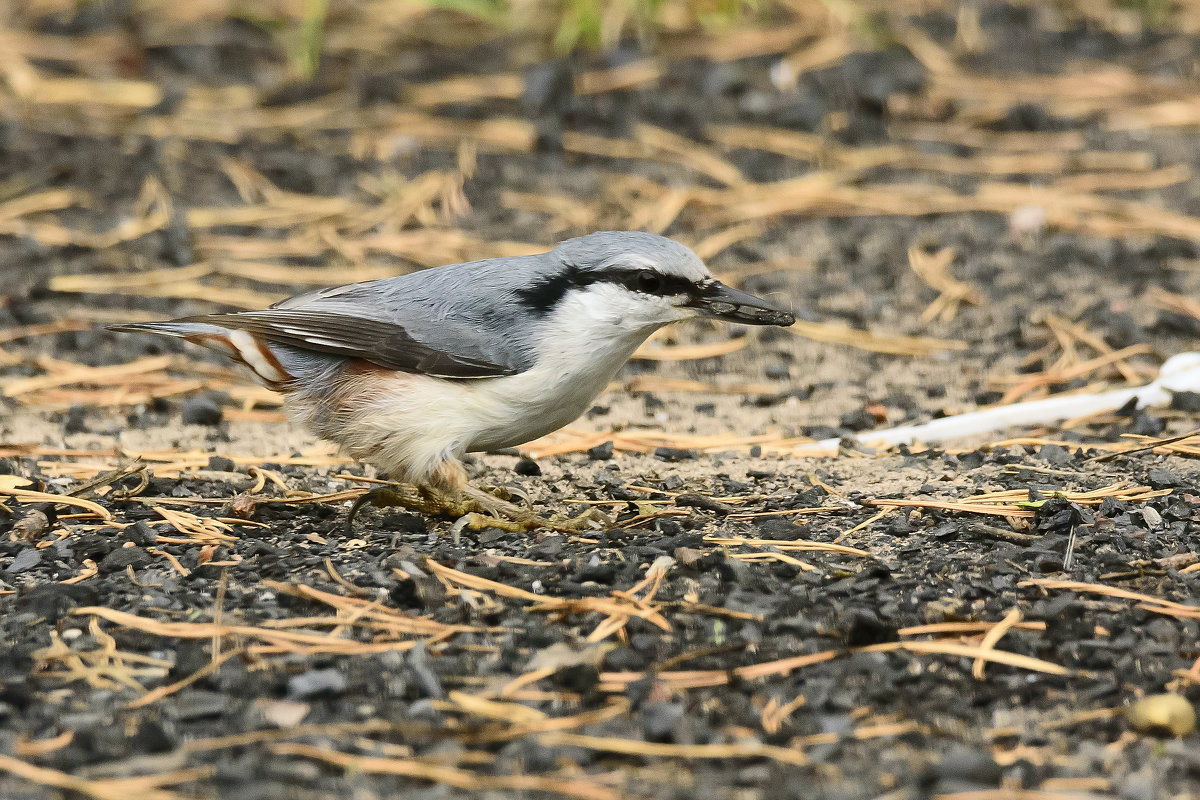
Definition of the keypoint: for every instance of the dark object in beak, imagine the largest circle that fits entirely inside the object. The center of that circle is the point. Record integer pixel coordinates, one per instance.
(719, 301)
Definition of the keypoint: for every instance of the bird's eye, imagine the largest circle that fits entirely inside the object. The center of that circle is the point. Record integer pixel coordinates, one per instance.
(649, 282)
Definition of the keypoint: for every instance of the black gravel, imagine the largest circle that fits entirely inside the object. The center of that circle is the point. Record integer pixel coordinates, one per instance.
(874, 722)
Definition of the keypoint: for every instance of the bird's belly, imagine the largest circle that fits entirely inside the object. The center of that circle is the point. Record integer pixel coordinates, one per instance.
(409, 424)
(520, 408)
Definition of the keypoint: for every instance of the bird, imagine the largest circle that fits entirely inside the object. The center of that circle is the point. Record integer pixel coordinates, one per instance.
(410, 373)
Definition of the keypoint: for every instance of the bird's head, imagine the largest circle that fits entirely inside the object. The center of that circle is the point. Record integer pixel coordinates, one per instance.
(636, 282)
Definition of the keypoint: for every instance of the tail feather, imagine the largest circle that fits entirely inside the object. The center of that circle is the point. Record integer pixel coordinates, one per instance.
(244, 347)
(177, 328)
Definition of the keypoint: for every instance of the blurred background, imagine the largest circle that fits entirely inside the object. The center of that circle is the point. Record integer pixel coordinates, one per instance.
(972, 202)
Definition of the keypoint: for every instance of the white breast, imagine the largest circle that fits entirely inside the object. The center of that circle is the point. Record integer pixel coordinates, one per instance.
(586, 341)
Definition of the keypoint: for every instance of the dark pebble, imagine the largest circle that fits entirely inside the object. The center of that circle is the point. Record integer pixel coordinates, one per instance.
(28, 558)
(93, 545)
(601, 452)
(968, 763)
(802, 111)
(779, 528)
(141, 534)
(527, 467)
(1148, 425)
(624, 659)
(76, 421)
(674, 454)
(202, 411)
(778, 372)
(124, 557)
(194, 704)
(1174, 323)
(864, 627)
(580, 678)
(704, 502)
(153, 737)
(1055, 455)
(860, 420)
(53, 600)
(221, 463)
(661, 720)
(1161, 478)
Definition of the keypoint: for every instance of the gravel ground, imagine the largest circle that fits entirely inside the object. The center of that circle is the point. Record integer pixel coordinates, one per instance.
(755, 625)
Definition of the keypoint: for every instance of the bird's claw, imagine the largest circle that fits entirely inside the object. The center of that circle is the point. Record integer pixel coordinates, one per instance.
(510, 493)
(474, 509)
(476, 521)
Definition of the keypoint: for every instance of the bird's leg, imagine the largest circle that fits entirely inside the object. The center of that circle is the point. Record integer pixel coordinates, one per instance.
(495, 508)
(449, 494)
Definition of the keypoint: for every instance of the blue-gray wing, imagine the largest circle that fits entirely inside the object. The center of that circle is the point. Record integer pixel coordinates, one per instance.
(378, 341)
(459, 321)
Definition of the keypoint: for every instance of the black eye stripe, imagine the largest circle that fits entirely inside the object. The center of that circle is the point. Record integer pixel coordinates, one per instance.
(545, 294)
(637, 280)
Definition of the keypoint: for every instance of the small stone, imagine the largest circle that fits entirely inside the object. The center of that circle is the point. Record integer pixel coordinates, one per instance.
(778, 372)
(1161, 478)
(527, 467)
(624, 659)
(1027, 220)
(141, 534)
(316, 681)
(601, 452)
(1055, 455)
(860, 420)
(1152, 517)
(53, 600)
(193, 704)
(154, 737)
(1162, 714)
(671, 482)
(285, 713)
(221, 464)
(124, 557)
(202, 411)
(76, 421)
(674, 454)
(28, 558)
(1140, 785)
(30, 527)
(969, 763)
(660, 720)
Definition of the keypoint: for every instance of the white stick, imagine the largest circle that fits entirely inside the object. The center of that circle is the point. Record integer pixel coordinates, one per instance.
(1179, 373)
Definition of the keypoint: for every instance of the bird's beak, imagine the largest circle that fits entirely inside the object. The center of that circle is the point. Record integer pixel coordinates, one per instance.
(718, 301)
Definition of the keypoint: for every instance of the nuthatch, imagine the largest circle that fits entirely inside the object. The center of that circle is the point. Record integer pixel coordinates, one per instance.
(410, 373)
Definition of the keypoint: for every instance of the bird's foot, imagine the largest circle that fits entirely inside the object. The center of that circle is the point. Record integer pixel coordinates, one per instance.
(494, 507)
(511, 494)
(474, 509)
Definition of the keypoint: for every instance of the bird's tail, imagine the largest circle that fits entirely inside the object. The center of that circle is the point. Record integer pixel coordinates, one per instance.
(243, 347)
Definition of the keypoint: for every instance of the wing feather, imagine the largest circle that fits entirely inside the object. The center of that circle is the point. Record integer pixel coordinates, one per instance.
(387, 344)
